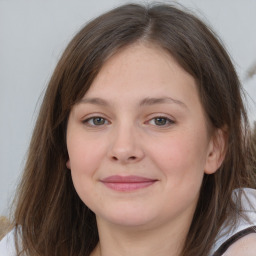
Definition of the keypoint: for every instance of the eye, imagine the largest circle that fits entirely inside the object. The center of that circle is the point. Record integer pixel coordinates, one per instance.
(95, 121)
(161, 121)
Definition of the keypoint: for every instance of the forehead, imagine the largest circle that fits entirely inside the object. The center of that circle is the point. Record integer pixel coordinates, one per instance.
(143, 69)
(139, 57)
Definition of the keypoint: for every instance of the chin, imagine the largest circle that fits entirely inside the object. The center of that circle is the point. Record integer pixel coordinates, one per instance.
(127, 217)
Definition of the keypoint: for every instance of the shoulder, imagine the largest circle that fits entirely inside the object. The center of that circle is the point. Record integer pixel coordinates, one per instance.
(241, 229)
(7, 245)
(245, 246)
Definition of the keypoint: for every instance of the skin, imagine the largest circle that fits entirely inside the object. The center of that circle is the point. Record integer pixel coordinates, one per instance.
(245, 246)
(165, 140)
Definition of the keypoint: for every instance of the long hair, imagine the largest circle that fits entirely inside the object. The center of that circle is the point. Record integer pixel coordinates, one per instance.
(49, 216)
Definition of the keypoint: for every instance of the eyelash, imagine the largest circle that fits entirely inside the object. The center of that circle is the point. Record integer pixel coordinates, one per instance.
(91, 121)
(167, 121)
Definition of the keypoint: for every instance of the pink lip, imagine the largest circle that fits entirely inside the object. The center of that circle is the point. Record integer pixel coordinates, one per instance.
(127, 183)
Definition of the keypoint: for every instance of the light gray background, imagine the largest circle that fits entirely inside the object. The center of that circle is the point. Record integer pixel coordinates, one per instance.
(33, 35)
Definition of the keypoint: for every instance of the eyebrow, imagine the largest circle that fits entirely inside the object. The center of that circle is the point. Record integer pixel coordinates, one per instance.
(162, 100)
(94, 101)
(144, 102)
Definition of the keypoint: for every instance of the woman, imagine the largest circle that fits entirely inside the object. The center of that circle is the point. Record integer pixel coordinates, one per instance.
(142, 135)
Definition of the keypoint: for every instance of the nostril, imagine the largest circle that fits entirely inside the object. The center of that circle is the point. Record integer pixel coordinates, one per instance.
(131, 158)
(114, 158)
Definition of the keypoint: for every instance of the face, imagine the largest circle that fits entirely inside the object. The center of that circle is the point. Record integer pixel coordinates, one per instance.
(138, 142)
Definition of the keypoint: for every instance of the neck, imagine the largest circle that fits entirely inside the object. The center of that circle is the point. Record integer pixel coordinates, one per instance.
(140, 241)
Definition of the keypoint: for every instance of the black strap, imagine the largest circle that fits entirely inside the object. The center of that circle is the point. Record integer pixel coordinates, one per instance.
(223, 248)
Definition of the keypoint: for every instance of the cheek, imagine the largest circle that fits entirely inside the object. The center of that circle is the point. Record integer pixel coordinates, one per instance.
(180, 158)
(180, 163)
(84, 163)
(82, 155)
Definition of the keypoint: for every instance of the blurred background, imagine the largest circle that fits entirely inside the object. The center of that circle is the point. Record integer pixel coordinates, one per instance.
(33, 35)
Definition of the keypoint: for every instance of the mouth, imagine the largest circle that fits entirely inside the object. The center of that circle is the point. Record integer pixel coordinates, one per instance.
(127, 183)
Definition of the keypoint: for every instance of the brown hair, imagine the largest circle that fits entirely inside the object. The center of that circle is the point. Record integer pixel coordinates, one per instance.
(49, 215)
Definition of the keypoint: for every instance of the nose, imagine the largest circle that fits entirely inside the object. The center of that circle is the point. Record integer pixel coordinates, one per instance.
(126, 146)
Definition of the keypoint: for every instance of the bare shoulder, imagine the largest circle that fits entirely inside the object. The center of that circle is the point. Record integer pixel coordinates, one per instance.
(245, 246)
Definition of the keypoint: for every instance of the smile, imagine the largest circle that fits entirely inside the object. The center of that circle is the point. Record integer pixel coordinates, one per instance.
(127, 183)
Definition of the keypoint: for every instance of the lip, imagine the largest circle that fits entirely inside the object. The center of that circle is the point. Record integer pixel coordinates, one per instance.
(127, 183)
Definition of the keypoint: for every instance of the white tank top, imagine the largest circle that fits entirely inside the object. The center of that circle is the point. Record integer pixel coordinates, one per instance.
(228, 235)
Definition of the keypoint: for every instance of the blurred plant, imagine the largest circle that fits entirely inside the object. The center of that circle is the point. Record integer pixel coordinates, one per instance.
(4, 226)
(251, 72)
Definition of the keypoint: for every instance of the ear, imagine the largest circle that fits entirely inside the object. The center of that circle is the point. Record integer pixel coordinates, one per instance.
(216, 152)
(68, 164)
